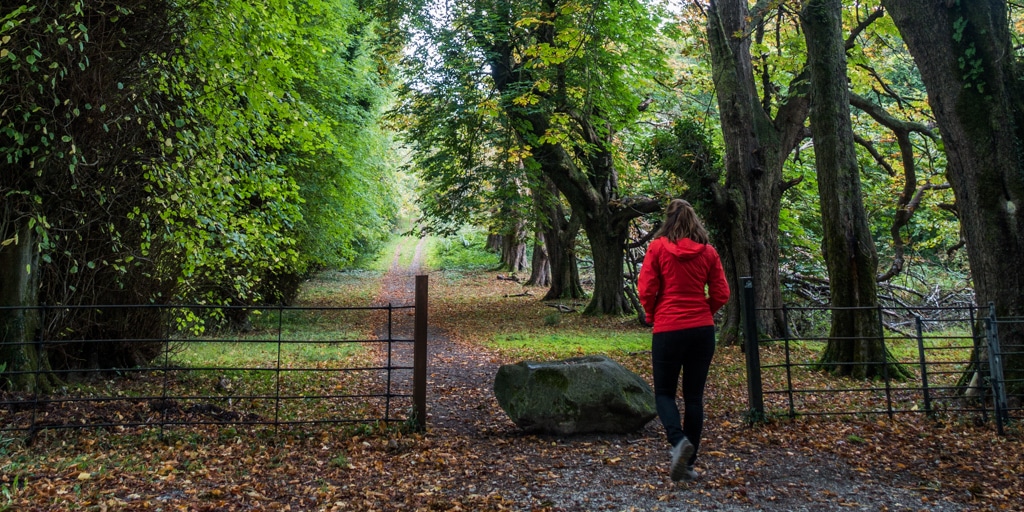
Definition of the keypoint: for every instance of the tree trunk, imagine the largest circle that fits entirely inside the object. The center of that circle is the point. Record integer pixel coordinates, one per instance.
(856, 342)
(513, 248)
(493, 243)
(608, 246)
(964, 52)
(19, 289)
(560, 240)
(565, 274)
(540, 264)
(755, 150)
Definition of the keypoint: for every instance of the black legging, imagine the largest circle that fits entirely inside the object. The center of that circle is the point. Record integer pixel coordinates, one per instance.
(689, 350)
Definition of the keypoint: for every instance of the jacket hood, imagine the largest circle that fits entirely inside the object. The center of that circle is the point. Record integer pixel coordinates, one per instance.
(685, 249)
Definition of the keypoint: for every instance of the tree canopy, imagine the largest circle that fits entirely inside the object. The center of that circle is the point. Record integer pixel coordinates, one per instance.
(219, 151)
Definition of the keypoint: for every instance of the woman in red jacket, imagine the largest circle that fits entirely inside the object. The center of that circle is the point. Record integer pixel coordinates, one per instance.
(681, 287)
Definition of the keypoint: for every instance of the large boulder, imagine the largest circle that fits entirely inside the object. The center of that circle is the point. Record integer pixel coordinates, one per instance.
(580, 395)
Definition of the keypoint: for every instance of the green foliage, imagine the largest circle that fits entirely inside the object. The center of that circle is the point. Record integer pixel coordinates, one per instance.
(267, 86)
(235, 150)
(211, 151)
(355, 172)
(465, 250)
(689, 153)
(464, 151)
(582, 68)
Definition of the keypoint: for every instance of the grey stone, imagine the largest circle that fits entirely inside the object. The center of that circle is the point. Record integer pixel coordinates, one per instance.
(590, 394)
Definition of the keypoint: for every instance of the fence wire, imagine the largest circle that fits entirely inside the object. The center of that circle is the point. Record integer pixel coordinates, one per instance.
(220, 365)
(942, 361)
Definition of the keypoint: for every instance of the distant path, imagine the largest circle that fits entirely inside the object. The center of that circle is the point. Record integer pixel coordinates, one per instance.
(444, 358)
(398, 286)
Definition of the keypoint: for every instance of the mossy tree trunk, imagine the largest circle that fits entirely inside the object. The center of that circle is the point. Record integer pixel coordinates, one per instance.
(560, 240)
(967, 61)
(856, 342)
(511, 244)
(540, 264)
(608, 246)
(756, 146)
(19, 289)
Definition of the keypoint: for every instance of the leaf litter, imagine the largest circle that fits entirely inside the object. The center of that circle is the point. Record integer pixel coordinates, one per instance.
(471, 457)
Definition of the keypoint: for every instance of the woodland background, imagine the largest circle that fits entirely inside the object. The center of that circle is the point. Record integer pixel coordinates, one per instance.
(219, 152)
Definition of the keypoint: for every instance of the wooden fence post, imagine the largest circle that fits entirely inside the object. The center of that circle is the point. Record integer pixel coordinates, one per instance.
(419, 365)
(755, 396)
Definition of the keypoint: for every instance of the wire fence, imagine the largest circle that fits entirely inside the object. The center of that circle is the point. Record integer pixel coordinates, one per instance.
(261, 366)
(941, 361)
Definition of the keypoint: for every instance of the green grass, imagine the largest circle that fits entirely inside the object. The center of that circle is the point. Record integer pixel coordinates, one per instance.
(281, 352)
(350, 287)
(564, 345)
(306, 336)
(463, 251)
(404, 245)
(382, 261)
(251, 354)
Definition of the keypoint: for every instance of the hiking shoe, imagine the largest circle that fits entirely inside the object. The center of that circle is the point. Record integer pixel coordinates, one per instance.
(689, 474)
(681, 454)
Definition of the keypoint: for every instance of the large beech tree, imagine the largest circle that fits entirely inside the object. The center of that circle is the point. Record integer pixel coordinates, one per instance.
(973, 77)
(564, 74)
(856, 342)
(759, 134)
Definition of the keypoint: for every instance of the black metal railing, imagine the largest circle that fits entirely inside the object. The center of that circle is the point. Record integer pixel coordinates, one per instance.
(942, 360)
(281, 366)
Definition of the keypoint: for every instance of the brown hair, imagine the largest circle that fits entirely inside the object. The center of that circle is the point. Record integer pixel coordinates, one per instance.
(681, 221)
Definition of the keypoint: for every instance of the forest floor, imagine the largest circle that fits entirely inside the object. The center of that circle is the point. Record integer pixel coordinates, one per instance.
(471, 457)
(485, 461)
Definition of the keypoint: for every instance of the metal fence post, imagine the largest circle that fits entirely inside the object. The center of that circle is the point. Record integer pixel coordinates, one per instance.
(995, 368)
(885, 363)
(924, 365)
(419, 365)
(755, 396)
(277, 373)
(976, 356)
(789, 362)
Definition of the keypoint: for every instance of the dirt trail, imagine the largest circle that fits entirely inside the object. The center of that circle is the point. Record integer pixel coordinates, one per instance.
(484, 455)
(450, 366)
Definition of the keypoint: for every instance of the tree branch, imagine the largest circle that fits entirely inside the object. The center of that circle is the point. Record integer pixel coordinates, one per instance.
(852, 39)
(910, 197)
(629, 208)
(879, 159)
(883, 118)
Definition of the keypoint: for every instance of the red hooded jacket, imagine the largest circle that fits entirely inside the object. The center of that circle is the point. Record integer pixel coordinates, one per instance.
(672, 284)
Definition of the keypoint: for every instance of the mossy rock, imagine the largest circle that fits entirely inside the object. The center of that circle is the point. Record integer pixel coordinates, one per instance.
(590, 394)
